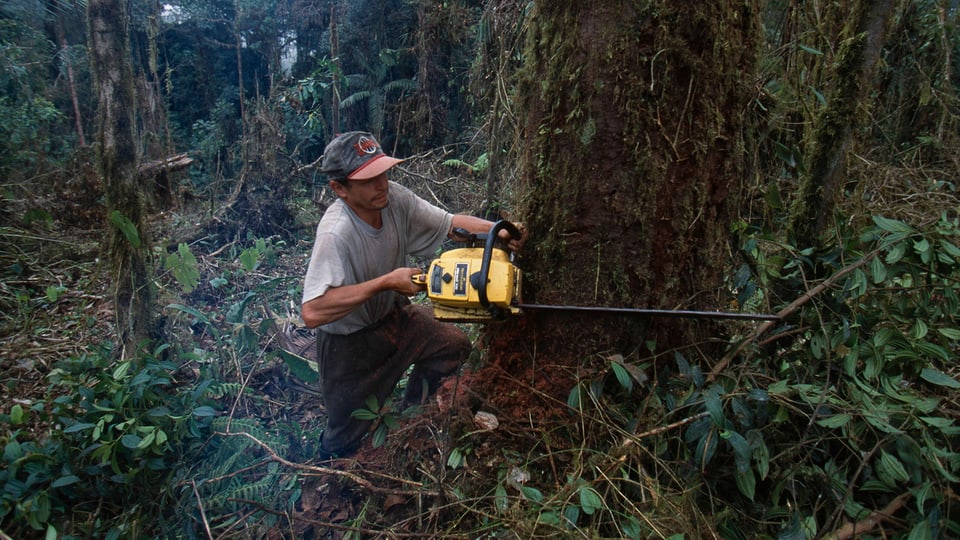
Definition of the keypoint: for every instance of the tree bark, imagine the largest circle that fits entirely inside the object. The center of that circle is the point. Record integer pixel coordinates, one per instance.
(633, 159)
(71, 80)
(829, 138)
(335, 56)
(127, 246)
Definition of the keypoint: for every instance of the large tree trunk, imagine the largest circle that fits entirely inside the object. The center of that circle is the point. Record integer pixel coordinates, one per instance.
(127, 248)
(633, 161)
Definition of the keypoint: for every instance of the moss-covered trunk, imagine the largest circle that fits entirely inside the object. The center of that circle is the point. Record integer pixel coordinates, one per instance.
(127, 247)
(828, 139)
(633, 160)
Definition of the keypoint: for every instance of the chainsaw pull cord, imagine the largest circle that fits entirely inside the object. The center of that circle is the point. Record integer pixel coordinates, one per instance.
(492, 237)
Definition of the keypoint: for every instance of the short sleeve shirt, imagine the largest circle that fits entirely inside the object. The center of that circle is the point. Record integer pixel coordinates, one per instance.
(348, 251)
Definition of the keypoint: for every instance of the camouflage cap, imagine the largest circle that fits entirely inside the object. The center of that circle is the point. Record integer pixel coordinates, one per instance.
(355, 155)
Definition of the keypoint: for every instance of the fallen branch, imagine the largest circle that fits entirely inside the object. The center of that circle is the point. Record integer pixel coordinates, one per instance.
(170, 163)
(869, 523)
(787, 311)
(363, 482)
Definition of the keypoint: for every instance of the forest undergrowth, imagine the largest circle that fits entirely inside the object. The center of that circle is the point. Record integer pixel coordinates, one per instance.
(838, 422)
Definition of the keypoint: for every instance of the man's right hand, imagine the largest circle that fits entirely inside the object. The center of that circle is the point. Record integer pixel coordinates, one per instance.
(401, 280)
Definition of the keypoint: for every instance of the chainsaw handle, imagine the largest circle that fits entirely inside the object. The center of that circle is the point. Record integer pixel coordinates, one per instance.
(492, 237)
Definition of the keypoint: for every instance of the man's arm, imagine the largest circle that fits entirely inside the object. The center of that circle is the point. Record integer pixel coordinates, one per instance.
(337, 302)
(480, 225)
(470, 224)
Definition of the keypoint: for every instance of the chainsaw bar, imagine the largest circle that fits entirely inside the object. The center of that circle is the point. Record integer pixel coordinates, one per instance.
(655, 312)
(482, 284)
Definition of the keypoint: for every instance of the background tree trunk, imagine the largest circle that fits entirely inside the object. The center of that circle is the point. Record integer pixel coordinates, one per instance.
(830, 136)
(127, 248)
(632, 161)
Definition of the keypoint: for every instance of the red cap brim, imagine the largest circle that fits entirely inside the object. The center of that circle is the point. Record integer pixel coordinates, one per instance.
(374, 168)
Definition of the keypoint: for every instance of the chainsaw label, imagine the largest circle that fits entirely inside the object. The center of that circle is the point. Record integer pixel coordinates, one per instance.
(460, 279)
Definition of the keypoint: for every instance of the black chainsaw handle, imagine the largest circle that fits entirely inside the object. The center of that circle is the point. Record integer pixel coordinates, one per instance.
(492, 237)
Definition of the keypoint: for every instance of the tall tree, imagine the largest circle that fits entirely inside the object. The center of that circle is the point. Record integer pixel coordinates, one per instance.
(831, 134)
(632, 160)
(127, 247)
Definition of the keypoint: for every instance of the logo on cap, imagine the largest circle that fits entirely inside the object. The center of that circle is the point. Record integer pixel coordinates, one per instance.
(366, 146)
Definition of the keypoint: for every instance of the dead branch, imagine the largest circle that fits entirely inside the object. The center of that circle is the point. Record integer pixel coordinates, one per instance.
(363, 482)
(869, 523)
(167, 164)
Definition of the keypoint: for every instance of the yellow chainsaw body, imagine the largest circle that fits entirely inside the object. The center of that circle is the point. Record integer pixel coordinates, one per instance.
(453, 285)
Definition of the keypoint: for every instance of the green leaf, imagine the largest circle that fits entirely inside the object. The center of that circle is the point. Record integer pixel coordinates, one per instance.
(531, 493)
(127, 227)
(834, 421)
(121, 370)
(590, 500)
(130, 441)
(305, 369)
(762, 454)
(936, 421)
(951, 249)
(183, 265)
(895, 254)
(250, 259)
(379, 436)
(711, 400)
(878, 270)
(623, 377)
(939, 378)
(933, 350)
(892, 469)
(548, 517)
(742, 452)
(922, 530)
(575, 398)
(706, 448)
(810, 50)
(892, 225)
(919, 329)
(204, 411)
(364, 414)
(572, 514)
(950, 333)
(456, 458)
(500, 498)
(80, 426)
(16, 414)
(747, 483)
(12, 451)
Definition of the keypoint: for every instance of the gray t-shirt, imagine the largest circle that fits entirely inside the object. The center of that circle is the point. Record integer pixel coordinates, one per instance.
(348, 251)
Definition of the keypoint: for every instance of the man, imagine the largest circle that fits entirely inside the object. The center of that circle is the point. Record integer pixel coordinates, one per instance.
(357, 287)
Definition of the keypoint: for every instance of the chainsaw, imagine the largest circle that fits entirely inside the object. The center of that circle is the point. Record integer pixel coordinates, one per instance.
(480, 283)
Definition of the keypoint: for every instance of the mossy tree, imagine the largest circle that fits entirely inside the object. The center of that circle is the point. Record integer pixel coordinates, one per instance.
(632, 163)
(127, 248)
(828, 138)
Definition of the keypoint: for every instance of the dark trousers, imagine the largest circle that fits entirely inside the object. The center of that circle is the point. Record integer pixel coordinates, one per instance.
(372, 361)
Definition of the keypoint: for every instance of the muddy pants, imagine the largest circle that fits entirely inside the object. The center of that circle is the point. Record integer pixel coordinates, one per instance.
(371, 362)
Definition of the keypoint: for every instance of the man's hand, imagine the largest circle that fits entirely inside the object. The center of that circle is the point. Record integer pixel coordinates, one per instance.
(401, 280)
(514, 244)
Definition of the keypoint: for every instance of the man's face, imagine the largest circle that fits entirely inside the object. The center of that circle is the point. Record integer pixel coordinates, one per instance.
(364, 195)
